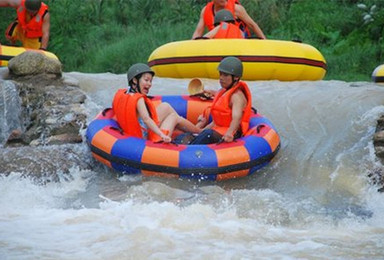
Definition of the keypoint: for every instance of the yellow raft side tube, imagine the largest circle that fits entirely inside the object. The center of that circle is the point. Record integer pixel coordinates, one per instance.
(262, 59)
(378, 74)
(8, 52)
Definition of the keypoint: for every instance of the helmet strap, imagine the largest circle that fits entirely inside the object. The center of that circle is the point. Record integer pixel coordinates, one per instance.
(233, 82)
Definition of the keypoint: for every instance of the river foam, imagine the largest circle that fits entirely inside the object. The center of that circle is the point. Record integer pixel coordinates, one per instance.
(314, 201)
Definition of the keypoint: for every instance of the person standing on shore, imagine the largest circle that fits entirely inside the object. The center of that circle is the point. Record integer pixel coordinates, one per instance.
(32, 24)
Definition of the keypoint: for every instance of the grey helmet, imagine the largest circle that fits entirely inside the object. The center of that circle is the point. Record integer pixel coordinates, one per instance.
(137, 69)
(33, 5)
(231, 65)
(223, 16)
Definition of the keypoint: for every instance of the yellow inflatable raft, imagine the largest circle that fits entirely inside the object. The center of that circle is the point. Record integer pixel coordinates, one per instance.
(378, 74)
(8, 52)
(262, 59)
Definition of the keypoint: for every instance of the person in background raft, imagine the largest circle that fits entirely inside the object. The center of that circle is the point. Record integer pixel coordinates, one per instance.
(224, 27)
(231, 108)
(32, 25)
(138, 116)
(243, 20)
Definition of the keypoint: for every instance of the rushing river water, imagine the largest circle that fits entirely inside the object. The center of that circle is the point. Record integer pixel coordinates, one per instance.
(313, 201)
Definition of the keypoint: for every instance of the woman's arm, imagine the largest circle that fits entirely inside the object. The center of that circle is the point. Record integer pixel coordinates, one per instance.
(242, 14)
(211, 34)
(46, 28)
(200, 26)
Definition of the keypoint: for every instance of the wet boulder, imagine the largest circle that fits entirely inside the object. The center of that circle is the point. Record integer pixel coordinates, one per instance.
(44, 164)
(10, 112)
(33, 63)
(377, 176)
(378, 138)
(40, 107)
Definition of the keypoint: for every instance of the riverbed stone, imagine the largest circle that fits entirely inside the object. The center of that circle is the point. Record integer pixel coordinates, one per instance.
(53, 163)
(377, 176)
(48, 108)
(32, 63)
(378, 138)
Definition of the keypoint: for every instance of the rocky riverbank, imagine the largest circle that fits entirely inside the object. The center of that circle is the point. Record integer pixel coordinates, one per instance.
(46, 109)
(40, 108)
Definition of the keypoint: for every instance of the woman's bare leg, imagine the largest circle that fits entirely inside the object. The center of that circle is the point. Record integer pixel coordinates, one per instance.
(169, 120)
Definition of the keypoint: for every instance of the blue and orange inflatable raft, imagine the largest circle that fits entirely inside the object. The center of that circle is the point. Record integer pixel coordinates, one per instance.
(131, 155)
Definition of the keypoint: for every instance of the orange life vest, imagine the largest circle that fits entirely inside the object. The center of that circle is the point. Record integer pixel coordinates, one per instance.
(222, 113)
(34, 27)
(124, 106)
(209, 13)
(228, 30)
(209, 16)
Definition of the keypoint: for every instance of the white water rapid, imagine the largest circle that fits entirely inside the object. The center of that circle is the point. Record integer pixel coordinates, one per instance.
(313, 201)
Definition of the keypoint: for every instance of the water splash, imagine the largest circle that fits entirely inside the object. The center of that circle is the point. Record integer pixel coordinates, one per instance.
(313, 201)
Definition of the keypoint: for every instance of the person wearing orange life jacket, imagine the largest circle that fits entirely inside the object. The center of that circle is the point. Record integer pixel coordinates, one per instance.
(225, 27)
(231, 108)
(238, 11)
(32, 25)
(138, 116)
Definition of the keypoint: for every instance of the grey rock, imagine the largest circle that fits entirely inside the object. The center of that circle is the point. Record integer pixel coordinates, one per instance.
(10, 112)
(378, 138)
(377, 176)
(45, 163)
(42, 117)
(48, 108)
(32, 63)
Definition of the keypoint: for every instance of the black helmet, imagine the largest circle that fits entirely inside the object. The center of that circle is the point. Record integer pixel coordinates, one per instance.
(232, 66)
(33, 5)
(137, 69)
(223, 16)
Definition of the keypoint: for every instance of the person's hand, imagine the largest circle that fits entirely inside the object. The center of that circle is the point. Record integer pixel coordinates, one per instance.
(201, 118)
(205, 95)
(201, 121)
(166, 138)
(227, 137)
(209, 92)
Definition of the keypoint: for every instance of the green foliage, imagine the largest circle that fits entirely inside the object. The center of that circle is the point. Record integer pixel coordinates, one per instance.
(106, 35)
(337, 29)
(268, 14)
(110, 35)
